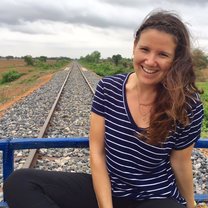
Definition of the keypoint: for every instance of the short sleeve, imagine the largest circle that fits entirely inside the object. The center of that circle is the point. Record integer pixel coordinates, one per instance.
(98, 105)
(190, 134)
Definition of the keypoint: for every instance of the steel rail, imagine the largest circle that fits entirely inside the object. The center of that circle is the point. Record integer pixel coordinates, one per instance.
(89, 85)
(33, 154)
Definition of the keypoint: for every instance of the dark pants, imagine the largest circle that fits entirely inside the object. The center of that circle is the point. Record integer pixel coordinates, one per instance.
(31, 188)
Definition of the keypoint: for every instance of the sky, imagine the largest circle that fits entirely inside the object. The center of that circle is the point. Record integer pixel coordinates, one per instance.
(75, 28)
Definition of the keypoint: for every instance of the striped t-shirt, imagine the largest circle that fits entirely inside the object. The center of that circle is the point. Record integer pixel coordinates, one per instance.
(138, 170)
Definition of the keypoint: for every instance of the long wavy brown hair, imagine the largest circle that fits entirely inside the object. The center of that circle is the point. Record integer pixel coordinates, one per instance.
(178, 86)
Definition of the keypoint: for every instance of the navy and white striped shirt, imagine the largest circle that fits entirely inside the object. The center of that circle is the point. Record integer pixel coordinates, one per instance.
(139, 170)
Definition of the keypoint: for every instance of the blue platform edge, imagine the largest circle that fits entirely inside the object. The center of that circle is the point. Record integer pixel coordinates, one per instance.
(7, 146)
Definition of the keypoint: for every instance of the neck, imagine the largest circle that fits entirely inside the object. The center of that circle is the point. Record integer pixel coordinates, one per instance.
(146, 93)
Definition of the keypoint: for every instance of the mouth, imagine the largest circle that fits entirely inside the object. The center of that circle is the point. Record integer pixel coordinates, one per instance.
(149, 71)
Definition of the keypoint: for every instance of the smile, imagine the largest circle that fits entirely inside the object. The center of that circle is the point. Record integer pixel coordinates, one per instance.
(149, 71)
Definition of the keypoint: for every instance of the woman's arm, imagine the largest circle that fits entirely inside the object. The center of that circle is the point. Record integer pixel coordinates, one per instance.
(101, 181)
(182, 168)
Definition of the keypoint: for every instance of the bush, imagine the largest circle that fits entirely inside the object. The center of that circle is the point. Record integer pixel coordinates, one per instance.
(60, 63)
(41, 65)
(29, 60)
(43, 58)
(106, 68)
(200, 60)
(10, 76)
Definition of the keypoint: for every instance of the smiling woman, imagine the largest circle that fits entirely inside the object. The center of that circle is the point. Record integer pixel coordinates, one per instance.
(145, 123)
(143, 127)
(153, 56)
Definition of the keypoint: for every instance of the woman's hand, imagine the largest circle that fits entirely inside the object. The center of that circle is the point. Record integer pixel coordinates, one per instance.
(192, 205)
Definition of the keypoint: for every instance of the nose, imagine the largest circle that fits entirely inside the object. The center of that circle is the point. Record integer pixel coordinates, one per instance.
(150, 60)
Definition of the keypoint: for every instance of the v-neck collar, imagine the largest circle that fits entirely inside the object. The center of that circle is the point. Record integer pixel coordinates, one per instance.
(126, 106)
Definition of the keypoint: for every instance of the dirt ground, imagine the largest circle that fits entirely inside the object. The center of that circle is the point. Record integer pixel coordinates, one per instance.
(14, 99)
(32, 79)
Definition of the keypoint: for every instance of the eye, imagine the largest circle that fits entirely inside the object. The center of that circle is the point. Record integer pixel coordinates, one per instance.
(163, 54)
(144, 49)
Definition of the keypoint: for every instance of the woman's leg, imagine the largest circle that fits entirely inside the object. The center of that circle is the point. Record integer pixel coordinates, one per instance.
(49, 189)
(123, 203)
(161, 203)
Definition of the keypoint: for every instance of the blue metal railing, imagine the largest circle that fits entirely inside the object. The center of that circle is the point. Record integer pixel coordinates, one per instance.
(7, 146)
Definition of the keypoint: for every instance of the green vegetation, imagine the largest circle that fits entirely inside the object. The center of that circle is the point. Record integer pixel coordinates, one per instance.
(109, 66)
(29, 60)
(116, 59)
(204, 97)
(43, 58)
(41, 63)
(10, 76)
(35, 70)
(104, 69)
(200, 59)
(31, 80)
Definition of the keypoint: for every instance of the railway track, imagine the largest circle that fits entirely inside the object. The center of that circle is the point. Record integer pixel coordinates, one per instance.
(70, 119)
(48, 124)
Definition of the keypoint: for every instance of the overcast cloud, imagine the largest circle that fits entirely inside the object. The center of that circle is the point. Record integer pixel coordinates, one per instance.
(63, 28)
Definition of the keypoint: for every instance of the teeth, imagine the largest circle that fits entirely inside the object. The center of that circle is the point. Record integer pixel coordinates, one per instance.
(149, 71)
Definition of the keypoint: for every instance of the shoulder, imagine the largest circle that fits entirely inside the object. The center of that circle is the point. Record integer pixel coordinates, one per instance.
(113, 81)
(194, 107)
(118, 78)
(194, 103)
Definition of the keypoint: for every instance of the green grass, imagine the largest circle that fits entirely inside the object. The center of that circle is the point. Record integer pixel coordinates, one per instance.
(30, 80)
(204, 87)
(106, 68)
(204, 97)
(44, 66)
(10, 76)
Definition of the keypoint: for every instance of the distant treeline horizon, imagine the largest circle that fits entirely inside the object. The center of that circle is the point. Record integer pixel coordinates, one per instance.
(36, 57)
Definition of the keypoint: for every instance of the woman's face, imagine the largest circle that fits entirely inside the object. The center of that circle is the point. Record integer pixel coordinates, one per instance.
(154, 53)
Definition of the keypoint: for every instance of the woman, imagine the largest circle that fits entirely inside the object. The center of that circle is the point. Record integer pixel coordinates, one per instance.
(145, 123)
(143, 128)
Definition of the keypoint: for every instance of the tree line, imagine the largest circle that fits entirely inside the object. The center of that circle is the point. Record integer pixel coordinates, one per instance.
(95, 57)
